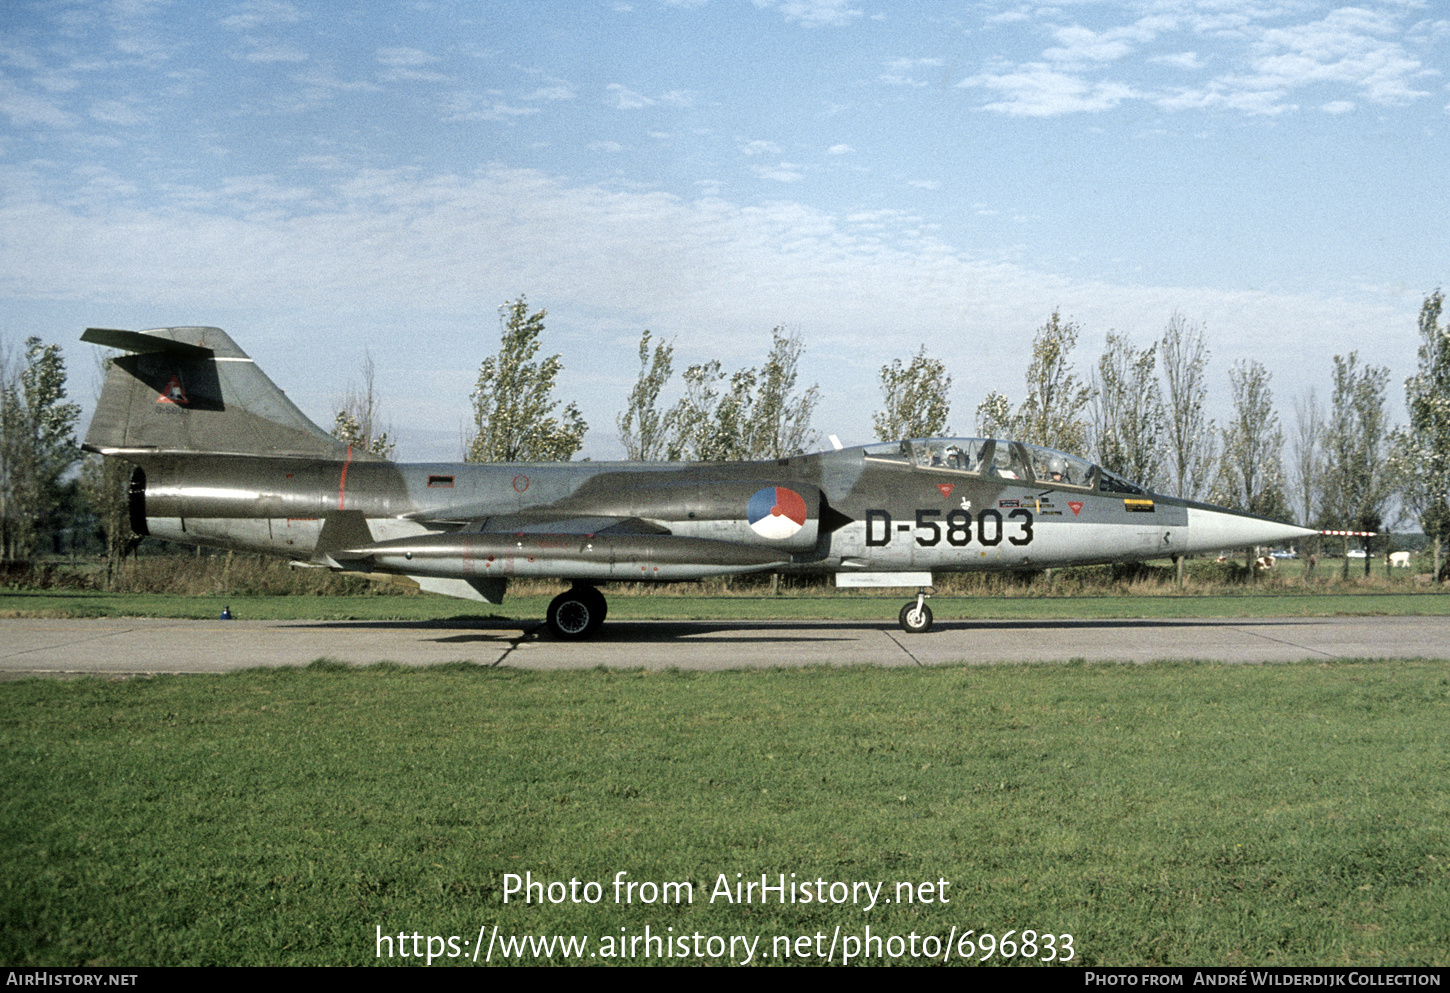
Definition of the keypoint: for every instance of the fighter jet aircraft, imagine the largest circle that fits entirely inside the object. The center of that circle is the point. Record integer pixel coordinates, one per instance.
(222, 458)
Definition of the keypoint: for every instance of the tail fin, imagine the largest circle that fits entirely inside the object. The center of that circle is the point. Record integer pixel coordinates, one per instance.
(191, 391)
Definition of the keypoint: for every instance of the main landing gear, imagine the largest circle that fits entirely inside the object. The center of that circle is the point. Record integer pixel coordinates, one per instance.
(577, 613)
(915, 617)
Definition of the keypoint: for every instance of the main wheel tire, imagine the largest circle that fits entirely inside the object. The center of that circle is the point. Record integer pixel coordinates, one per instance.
(576, 614)
(915, 621)
(601, 604)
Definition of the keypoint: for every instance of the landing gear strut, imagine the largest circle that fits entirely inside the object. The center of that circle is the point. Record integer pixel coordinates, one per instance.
(577, 613)
(915, 617)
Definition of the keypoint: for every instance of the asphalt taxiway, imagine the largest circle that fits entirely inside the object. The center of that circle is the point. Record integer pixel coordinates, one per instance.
(126, 646)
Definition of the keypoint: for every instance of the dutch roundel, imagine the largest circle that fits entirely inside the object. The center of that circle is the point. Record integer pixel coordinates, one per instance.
(776, 512)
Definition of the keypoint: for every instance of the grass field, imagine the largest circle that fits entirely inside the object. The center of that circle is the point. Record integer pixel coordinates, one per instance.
(1170, 813)
(877, 606)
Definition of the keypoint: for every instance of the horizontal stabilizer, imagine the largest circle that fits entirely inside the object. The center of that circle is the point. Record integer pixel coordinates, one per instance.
(143, 344)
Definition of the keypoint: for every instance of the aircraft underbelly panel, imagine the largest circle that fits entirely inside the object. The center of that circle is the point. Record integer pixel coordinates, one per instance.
(293, 537)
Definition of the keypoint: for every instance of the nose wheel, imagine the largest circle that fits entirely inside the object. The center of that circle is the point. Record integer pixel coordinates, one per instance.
(576, 614)
(915, 617)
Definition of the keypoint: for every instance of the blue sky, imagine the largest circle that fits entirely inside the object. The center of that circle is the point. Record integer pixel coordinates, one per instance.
(324, 179)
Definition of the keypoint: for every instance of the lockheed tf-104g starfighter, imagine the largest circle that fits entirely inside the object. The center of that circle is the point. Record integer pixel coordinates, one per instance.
(222, 458)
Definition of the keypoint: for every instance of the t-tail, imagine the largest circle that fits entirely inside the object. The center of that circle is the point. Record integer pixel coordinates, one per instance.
(192, 391)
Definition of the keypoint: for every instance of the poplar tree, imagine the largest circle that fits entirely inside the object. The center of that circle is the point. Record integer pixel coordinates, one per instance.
(1129, 420)
(513, 403)
(1308, 465)
(759, 416)
(690, 423)
(1052, 414)
(780, 421)
(1422, 448)
(1357, 478)
(37, 446)
(358, 422)
(642, 424)
(1251, 473)
(915, 403)
(1190, 432)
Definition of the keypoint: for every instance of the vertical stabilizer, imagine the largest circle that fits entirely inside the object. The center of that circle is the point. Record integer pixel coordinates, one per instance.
(193, 391)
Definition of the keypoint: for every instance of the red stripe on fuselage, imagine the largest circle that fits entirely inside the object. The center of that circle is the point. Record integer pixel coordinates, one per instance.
(342, 482)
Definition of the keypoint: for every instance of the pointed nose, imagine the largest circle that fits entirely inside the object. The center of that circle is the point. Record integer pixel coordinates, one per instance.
(1212, 529)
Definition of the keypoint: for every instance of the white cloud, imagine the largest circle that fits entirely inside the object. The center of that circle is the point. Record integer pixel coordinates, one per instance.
(759, 148)
(405, 57)
(325, 79)
(813, 13)
(900, 70)
(1038, 91)
(29, 109)
(786, 172)
(1076, 44)
(275, 52)
(482, 107)
(1182, 60)
(557, 92)
(1338, 107)
(840, 150)
(117, 112)
(1016, 16)
(623, 98)
(250, 16)
(1271, 62)
(1349, 46)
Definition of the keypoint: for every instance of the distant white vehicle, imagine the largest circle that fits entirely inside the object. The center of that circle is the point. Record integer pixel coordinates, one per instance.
(1355, 553)
(1291, 554)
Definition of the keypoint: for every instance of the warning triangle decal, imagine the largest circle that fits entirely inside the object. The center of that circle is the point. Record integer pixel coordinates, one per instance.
(173, 392)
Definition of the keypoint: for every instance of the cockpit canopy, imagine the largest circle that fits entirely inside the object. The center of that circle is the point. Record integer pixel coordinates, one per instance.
(995, 458)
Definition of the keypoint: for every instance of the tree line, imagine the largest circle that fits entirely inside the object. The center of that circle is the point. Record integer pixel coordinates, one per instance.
(1139, 412)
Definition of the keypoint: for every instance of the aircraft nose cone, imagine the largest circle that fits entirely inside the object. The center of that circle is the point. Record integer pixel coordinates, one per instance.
(1214, 529)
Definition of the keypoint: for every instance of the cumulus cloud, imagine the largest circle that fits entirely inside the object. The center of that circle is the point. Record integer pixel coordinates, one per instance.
(1263, 64)
(1039, 91)
(460, 106)
(899, 71)
(27, 109)
(785, 172)
(623, 98)
(275, 52)
(813, 13)
(260, 13)
(405, 57)
(556, 92)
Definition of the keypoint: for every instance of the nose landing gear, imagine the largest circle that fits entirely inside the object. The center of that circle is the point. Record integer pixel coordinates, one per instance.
(915, 617)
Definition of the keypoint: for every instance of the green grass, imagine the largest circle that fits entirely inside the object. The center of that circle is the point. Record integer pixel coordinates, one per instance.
(874, 606)
(1170, 813)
